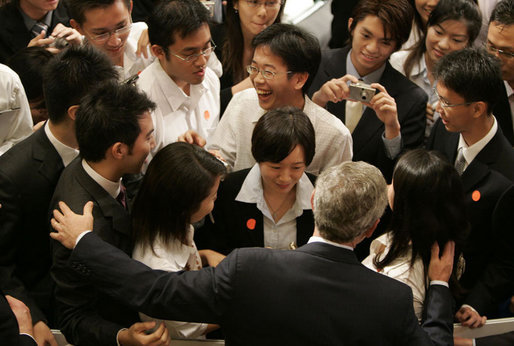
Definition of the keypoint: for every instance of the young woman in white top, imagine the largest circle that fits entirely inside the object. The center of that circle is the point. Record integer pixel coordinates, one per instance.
(451, 26)
(427, 201)
(179, 189)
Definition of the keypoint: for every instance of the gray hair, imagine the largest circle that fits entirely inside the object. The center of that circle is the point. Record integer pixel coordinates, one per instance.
(349, 198)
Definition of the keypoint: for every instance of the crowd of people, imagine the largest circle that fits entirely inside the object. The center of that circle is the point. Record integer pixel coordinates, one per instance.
(211, 172)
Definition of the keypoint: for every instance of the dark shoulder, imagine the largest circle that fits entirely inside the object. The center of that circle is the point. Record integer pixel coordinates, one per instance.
(231, 184)
(19, 157)
(312, 177)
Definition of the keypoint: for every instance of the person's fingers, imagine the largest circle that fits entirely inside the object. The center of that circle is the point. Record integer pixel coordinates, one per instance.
(435, 254)
(64, 208)
(379, 87)
(449, 250)
(56, 236)
(88, 208)
(58, 216)
(142, 326)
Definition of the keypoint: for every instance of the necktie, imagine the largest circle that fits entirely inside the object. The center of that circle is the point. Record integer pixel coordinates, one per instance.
(38, 27)
(353, 114)
(122, 196)
(460, 162)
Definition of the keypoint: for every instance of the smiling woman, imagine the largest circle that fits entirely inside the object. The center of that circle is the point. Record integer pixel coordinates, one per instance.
(269, 204)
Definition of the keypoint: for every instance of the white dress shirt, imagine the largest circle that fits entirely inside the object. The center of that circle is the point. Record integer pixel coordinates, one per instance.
(233, 136)
(177, 112)
(281, 234)
(15, 117)
(113, 188)
(173, 257)
(470, 152)
(66, 153)
(132, 64)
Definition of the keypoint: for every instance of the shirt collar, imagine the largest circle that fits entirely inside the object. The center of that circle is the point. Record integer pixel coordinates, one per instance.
(176, 96)
(316, 239)
(66, 153)
(508, 88)
(112, 188)
(373, 77)
(29, 22)
(470, 152)
(252, 191)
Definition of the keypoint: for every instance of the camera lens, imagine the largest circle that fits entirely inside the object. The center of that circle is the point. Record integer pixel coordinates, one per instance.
(363, 95)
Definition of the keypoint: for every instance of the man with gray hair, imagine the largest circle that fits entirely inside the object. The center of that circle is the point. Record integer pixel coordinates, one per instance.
(317, 294)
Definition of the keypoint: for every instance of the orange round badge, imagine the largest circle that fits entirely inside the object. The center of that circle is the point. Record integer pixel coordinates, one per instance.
(475, 196)
(206, 115)
(250, 224)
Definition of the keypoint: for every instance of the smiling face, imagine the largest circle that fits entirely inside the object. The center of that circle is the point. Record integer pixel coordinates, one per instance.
(207, 203)
(105, 20)
(424, 8)
(142, 146)
(283, 89)
(455, 119)
(446, 37)
(255, 19)
(183, 72)
(370, 47)
(502, 37)
(282, 177)
(38, 8)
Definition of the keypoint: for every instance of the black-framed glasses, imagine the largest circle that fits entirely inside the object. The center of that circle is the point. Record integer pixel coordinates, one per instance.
(501, 52)
(271, 4)
(445, 103)
(252, 70)
(102, 38)
(193, 57)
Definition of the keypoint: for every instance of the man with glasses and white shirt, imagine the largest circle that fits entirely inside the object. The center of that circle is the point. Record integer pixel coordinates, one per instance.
(108, 26)
(500, 43)
(468, 134)
(185, 89)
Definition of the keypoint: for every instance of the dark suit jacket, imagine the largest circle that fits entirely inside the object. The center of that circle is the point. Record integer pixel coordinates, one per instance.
(9, 330)
(28, 175)
(489, 199)
(318, 294)
(502, 113)
(230, 230)
(506, 339)
(13, 32)
(85, 316)
(411, 102)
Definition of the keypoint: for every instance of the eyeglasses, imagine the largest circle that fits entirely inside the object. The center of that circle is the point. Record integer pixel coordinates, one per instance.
(252, 70)
(445, 103)
(193, 57)
(271, 4)
(501, 52)
(102, 38)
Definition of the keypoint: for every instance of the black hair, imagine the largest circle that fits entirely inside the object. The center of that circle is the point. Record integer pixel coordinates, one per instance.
(298, 49)
(175, 17)
(279, 131)
(178, 179)
(395, 15)
(78, 8)
(428, 207)
(28, 63)
(70, 75)
(109, 114)
(233, 48)
(466, 10)
(503, 13)
(472, 73)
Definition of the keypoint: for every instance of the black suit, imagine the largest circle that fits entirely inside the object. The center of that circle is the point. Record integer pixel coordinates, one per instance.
(13, 32)
(85, 316)
(9, 330)
(489, 199)
(504, 116)
(28, 175)
(411, 102)
(318, 294)
(231, 229)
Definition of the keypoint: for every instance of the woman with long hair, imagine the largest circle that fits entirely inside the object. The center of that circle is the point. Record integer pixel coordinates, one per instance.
(427, 201)
(244, 20)
(451, 26)
(179, 189)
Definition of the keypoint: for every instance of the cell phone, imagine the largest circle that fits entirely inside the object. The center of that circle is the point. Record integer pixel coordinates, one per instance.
(362, 92)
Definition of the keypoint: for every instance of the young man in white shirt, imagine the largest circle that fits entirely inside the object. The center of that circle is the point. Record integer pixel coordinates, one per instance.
(284, 63)
(179, 81)
(108, 26)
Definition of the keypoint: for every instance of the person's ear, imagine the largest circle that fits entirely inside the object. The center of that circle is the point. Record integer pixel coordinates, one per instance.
(479, 109)
(131, 7)
(72, 112)
(372, 229)
(299, 79)
(350, 21)
(119, 150)
(158, 52)
(312, 199)
(76, 26)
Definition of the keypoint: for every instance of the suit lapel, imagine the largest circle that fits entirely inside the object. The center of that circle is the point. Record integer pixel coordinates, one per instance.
(45, 153)
(503, 115)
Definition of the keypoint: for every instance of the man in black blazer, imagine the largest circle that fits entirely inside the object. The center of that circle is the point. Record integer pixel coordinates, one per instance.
(468, 85)
(17, 18)
(28, 175)
(394, 118)
(500, 43)
(318, 294)
(115, 134)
